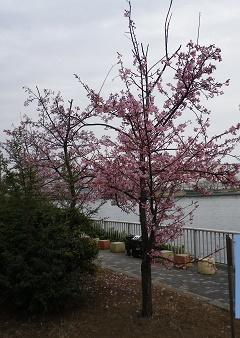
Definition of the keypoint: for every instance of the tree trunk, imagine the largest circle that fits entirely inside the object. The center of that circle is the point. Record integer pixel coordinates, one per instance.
(146, 286)
(145, 267)
(70, 177)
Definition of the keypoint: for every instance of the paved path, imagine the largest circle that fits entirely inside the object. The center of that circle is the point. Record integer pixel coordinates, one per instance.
(214, 288)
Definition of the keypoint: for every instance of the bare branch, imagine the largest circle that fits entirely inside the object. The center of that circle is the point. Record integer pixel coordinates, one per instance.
(166, 27)
(199, 24)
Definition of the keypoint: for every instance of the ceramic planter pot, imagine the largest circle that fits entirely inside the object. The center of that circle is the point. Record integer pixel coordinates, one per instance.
(182, 260)
(207, 266)
(117, 247)
(165, 256)
(104, 244)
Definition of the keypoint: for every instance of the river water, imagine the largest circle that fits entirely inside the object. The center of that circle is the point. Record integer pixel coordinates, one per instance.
(214, 212)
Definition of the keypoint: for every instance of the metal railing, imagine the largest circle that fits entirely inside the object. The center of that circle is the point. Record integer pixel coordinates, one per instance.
(198, 242)
(127, 228)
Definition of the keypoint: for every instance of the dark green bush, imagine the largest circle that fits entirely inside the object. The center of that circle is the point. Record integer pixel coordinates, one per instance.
(87, 226)
(96, 231)
(42, 259)
(113, 235)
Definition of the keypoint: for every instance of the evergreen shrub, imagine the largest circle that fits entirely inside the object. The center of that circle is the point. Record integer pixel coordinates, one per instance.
(42, 259)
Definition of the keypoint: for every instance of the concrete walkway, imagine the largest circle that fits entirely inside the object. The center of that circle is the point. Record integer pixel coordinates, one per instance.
(212, 288)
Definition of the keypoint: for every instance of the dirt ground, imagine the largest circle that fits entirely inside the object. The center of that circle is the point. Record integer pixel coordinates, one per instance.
(111, 310)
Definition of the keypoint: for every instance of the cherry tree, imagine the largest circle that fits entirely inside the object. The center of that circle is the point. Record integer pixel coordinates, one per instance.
(59, 147)
(66, 145)
(162, 140)
(20, 156)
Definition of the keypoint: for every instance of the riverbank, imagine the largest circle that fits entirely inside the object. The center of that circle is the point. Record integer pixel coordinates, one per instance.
(192, 193)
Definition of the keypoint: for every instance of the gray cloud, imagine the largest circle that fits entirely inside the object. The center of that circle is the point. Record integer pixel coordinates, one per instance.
(45, 42)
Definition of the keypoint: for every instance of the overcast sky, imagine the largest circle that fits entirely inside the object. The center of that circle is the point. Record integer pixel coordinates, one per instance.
(43, 42)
